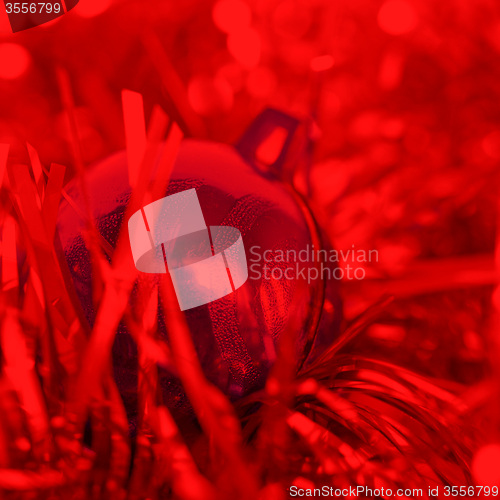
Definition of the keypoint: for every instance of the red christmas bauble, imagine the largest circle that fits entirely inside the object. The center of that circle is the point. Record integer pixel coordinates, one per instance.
(236, 336)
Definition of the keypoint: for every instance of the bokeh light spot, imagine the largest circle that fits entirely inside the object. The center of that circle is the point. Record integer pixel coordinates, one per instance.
(231, 15)
(322, 63)
(391, 70)
(233, 74)
(261, 83)
(491, 145)
(365, 125)
(392, 128)
(397, 17)
(485, 465)
(209, 96)
(14, 61)
(292, 20)
(495, 298)
(92, 8)
(245, 47)
(494, 35)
